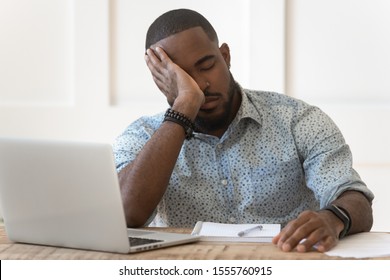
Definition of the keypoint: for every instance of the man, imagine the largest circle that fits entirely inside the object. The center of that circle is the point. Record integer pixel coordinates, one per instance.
(226, 154)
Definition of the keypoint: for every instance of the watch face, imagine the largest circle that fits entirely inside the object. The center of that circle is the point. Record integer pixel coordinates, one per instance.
(343, 216)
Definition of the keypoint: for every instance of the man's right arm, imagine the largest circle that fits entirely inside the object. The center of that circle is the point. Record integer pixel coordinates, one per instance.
(143, 182)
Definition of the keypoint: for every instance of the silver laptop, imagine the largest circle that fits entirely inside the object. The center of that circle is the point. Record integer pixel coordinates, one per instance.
(67, 194)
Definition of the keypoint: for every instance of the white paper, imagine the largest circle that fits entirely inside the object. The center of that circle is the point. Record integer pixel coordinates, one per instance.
(217, 229)
(210, 231)
(362, 245)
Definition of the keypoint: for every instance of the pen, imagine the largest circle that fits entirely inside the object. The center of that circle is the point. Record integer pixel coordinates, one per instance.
(244, 232)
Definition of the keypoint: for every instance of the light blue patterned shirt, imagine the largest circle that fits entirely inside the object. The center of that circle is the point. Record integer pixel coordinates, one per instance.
(279, 157)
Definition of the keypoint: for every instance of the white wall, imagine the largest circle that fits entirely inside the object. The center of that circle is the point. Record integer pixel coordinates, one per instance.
(74, 69)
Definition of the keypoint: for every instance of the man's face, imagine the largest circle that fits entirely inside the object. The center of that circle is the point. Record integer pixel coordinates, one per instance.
(207, 64)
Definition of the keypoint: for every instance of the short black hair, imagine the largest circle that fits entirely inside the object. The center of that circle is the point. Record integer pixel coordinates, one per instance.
(176, 21)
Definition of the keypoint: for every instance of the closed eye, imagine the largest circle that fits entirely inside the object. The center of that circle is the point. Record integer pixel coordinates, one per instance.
(206, 63)
(207, 67)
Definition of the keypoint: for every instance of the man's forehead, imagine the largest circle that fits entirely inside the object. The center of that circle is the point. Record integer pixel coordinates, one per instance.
(196, 31)
(190, 41)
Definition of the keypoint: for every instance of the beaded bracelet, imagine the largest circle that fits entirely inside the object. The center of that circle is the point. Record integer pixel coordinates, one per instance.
(181, 119)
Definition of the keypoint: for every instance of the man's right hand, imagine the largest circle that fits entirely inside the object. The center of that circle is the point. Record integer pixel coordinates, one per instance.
(180, 89)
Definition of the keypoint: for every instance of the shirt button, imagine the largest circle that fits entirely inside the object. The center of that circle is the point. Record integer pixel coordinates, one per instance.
(224, 182)
(219, 146)
(232, 219)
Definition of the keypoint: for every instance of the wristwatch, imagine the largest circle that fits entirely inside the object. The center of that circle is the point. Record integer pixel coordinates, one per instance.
(343, 215)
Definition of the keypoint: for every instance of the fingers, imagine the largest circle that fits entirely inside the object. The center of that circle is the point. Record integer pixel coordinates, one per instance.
(158, 61)
(158, 64)
(307, 231)
(173, 81)
(326, 244)
(164, 58)
(154, 64)
(293, 234)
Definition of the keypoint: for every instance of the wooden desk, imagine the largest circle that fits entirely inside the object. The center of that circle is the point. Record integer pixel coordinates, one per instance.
(192, 251)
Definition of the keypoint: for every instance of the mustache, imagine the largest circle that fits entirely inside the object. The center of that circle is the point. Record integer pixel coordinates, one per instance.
(210, 94)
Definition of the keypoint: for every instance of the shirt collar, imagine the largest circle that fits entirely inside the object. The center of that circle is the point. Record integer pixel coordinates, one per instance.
(247, 109)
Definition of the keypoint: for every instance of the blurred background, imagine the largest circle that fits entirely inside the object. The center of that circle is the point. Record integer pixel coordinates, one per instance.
(74, 69)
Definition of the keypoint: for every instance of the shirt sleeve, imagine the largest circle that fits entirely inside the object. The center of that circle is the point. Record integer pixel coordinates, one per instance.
(128, 145)
(327, 159)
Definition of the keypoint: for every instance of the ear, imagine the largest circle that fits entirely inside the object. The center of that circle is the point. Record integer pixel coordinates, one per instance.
(225, 51)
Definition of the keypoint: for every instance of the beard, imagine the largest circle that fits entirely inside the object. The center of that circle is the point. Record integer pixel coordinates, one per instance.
(223, 120)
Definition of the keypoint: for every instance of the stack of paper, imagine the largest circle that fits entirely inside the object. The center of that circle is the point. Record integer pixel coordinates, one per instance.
(363, 245)
(236, 232)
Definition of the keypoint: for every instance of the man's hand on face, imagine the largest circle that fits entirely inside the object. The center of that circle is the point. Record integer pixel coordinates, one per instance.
(177, 85)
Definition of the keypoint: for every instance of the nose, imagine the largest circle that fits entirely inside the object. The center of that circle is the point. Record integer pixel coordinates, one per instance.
(207, 86)
(201, 80)
(203, 84)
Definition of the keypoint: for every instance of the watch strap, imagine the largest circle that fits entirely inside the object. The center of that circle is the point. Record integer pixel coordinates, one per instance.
(343, 215)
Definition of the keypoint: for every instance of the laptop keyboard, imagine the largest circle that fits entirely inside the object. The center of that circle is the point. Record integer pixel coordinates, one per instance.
(135, 241)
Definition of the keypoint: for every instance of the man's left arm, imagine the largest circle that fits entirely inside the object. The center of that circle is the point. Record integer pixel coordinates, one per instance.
(327, 163)
(322, 228)
(359, 209)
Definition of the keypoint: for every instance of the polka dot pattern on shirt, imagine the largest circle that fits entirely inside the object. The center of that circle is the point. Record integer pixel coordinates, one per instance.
(279, 157)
